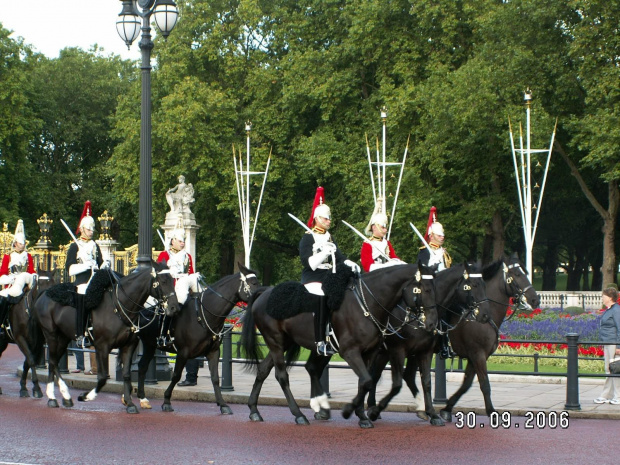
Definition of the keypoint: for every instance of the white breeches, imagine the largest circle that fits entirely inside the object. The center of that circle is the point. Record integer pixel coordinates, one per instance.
(17, 288)
(184, 284)
(315, 288)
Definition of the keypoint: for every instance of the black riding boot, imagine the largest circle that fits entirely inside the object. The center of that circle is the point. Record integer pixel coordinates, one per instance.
(80, 322)
(4, 311)
(321, 318)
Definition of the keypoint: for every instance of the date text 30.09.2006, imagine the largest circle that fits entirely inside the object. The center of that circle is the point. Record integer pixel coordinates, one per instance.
(504, 420)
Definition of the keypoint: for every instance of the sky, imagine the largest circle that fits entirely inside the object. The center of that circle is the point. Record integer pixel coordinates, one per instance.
(51, 25)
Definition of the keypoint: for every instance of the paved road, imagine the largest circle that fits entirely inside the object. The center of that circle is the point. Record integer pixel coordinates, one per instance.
(101, 432)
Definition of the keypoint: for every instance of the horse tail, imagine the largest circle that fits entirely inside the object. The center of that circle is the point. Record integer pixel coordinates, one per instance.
(35, 337)
(248, 334)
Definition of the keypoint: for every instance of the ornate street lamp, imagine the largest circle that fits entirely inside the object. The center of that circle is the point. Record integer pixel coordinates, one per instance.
(165, 13)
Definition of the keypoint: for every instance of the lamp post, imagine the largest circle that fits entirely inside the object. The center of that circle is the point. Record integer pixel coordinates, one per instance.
(165, 13)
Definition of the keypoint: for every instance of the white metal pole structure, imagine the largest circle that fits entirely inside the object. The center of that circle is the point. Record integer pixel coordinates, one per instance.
(242, 177)
(379, 188)
(522, 162)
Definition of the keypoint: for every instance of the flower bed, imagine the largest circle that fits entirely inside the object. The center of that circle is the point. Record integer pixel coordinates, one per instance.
(549, 325)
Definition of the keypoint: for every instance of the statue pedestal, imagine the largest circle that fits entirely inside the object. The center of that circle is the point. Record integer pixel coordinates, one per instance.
(108, 247)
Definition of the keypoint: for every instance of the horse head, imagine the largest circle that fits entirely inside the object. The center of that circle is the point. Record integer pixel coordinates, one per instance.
(162, 288)
(420, 296)
(248, 284)
(521, 289)
(468, 294)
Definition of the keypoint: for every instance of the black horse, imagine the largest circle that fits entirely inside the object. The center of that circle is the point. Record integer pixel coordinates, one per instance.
(360, 325)
(115, 322)
(461, 297)
(198, 332)
(24, 332)
(506, 279)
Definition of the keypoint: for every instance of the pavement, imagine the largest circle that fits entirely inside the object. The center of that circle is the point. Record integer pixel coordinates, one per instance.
(514, 393)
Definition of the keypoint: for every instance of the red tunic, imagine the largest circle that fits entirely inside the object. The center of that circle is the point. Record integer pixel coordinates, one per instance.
(4, 269)
(366, 254)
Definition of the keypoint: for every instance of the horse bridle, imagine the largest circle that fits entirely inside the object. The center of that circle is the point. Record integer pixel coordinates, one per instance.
(519, 296)
(162, 299)
(472, 306)
(420, 310)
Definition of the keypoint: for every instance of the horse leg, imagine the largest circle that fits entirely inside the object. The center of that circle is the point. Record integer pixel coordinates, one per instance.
(126, 357)
(264, 368)
(213, 358)
(148, 353)
(356, 362)
(179, 365)
(397, 361)
(282, 377)
(425, 377)
(56, 349)
(29, 363)
(480, 367)
(318, 399)
(446, 413)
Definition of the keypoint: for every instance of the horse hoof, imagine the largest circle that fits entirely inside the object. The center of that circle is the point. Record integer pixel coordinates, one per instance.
(226, 410)
(67, 403)
(347, 411)
(323, 414)
(23, 393)
(422, 415)
(366, 424)
(446, 416)
(373, 413)
(37, 394)
(132, 409)
(145, 404)
(302, 420)
(167, 408)
(82, 398)
(52, 403)
(255, 417)
(437, 421)
(0, 391)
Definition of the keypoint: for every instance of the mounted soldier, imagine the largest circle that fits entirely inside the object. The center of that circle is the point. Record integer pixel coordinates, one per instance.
(83, 259)
(320, 256)
(378, 251)
(437, 255)
(17, 272)
(181, 266)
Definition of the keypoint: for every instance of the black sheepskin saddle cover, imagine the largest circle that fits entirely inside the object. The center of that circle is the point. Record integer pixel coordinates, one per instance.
(64, 293)
(291, 298)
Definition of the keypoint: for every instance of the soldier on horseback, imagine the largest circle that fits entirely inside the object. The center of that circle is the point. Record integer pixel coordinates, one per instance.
(436, 255)
(320, 256)
(83, 259)
(17, 272)
(378, 253)
(181, 266)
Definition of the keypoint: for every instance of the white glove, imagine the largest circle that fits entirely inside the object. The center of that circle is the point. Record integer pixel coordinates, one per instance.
(328, 247)
(354, 266)
(106, 264)
(317, 259)
(78, 268)
(7, 279)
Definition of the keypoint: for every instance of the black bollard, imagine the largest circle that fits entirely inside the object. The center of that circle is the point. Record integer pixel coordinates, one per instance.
(440, 380)
(227, 359)
(572, 373)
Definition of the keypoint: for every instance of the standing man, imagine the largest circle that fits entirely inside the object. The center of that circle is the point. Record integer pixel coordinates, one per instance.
(83, 259)
(17, 272)
(373, 254)
(319, 255)
(181, 267)
(437, 255)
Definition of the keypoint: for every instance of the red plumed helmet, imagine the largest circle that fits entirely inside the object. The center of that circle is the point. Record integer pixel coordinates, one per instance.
(86, 220)
(319, 208)
(432, 218)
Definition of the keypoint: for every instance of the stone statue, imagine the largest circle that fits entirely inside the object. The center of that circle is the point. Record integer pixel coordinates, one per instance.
(180, 196)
